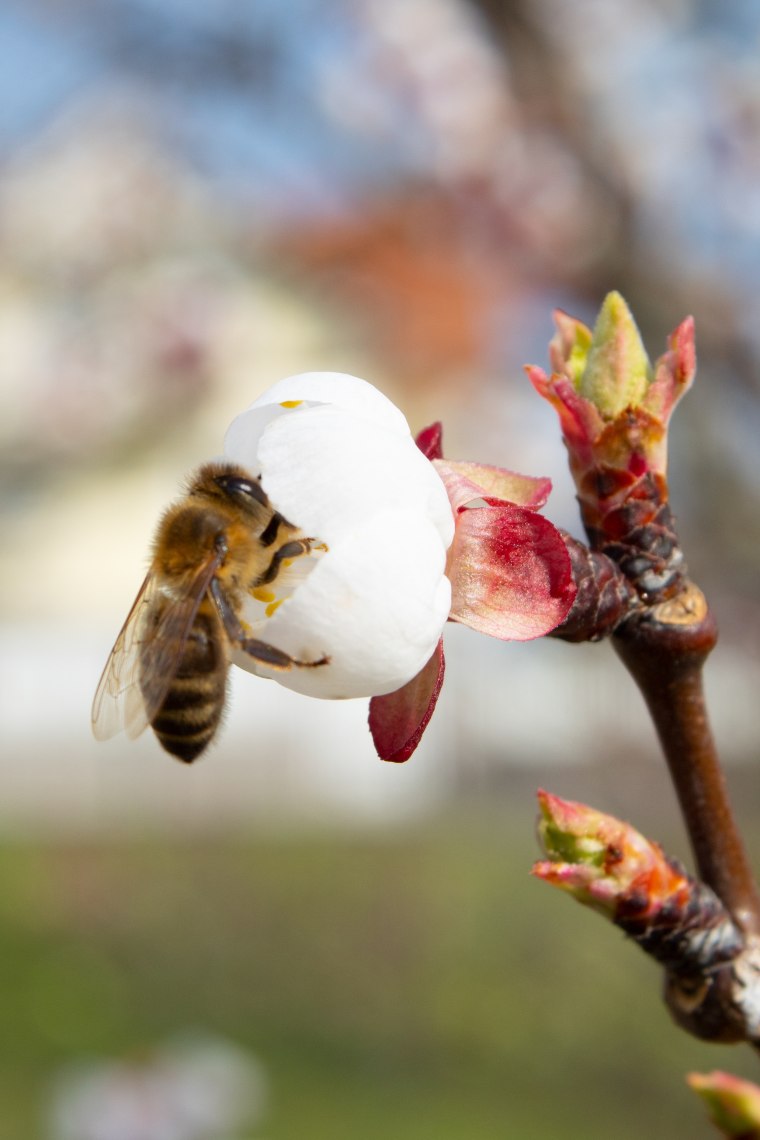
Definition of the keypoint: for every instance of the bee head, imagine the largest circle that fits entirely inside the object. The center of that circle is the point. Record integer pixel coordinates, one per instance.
(242, 489)
(226, 485)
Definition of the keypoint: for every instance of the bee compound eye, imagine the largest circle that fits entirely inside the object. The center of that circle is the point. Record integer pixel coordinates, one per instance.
(241, 488)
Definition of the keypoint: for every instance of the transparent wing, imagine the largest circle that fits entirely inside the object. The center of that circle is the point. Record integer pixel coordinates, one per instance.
(163, 639)
(118, 704)
(146, 655)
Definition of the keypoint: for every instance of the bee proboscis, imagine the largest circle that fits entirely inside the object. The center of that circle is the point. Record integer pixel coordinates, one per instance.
(169, 665)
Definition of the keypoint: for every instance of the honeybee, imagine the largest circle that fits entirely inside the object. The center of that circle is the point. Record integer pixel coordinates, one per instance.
(169, 665)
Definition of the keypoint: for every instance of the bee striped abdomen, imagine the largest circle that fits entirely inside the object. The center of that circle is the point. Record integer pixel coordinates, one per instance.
(193, 706)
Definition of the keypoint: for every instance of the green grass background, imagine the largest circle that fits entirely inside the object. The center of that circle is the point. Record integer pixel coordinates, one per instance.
(417, 984)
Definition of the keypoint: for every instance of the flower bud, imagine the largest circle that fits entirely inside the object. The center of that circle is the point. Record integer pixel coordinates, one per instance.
(617, 372)
(606, 864)
(614, 409)
(602, 861)
(732, 1104)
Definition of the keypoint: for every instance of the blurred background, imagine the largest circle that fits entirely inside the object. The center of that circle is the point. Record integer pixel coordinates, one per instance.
(198, 197)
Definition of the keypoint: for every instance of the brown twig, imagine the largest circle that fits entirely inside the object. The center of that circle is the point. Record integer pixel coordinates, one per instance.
(614, 407)
(664, 640)
(664, 647)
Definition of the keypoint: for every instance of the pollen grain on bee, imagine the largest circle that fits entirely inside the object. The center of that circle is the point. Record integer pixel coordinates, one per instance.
(262, 594)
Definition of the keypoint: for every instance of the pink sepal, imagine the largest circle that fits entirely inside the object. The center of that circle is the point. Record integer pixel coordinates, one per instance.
(510, 572)
(674, 372)
(580, 420)
(467, 481)
(398, 720)
(430, 441)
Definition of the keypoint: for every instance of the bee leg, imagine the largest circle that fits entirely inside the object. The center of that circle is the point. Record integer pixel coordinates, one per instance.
(270, 531)
(258, 650)
(275, 658)
(293, 549)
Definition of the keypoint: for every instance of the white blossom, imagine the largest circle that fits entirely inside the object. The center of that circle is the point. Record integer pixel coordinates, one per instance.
(337, 460)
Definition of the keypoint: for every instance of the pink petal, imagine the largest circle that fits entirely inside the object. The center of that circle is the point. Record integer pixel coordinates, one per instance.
(681, 343)
(430, 441)
(510, 572)
(580, 421)
(466, 481)
(570, 332)
(398, 720)
(674, 372)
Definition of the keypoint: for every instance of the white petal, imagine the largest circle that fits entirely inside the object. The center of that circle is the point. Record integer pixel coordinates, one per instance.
(375, 604)
(339, 463)
(338, 388)
(243, 436)
(327, 469)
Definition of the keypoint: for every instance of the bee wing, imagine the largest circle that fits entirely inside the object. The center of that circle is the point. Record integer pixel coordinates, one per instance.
(114, 706)
(146, 656)
(162, 645)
